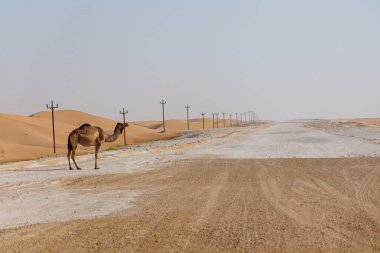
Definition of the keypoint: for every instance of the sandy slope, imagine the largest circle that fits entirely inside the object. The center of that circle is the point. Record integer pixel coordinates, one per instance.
(23, 137)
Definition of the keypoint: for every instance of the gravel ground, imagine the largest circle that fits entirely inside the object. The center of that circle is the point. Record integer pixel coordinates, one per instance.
(225, 205)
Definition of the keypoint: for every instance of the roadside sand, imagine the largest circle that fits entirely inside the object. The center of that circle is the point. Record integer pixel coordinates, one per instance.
(209, 205)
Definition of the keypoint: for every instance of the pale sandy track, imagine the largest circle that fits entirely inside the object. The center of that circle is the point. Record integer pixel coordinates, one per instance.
(208, 205)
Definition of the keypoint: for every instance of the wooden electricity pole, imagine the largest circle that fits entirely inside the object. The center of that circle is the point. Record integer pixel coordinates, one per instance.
(163, 102)
(52, 108)
(241, 118)
(124, 112)
(237, 121)
(231, 120)
(217, 120)
(224, 120)
(203, 119)
(188, 123)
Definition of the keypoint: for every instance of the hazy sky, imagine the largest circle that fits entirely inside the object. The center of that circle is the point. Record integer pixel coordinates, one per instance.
(283, 59)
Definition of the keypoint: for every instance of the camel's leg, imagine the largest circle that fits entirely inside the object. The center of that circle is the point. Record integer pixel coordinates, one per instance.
(73, 157)
(97, 147)
(68, 158)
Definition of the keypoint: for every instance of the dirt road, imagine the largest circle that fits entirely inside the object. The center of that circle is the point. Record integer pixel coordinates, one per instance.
(206, 191)
(217, 205)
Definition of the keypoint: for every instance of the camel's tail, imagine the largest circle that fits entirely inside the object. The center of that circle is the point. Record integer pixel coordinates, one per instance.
(69, 146)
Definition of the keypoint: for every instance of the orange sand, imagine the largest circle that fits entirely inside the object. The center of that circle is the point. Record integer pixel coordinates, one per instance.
(30, 137)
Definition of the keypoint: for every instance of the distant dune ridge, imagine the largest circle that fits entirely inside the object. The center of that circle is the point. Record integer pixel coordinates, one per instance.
(30, 137)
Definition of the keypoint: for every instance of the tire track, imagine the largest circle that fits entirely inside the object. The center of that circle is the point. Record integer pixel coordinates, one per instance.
(282, 199)
(205, 211)
(366, 194)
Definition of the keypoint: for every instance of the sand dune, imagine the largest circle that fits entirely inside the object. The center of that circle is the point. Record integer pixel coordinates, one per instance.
(30, 137)
(24, 137)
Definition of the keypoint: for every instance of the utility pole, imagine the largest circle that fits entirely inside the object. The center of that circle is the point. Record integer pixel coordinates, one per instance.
(163, 102)
(237, 121)
(203, 119)
(52, 108)
(241, 118)
(213, 120)
(224, 120)
(217, 120)
(124, 112)
(231, 120)
(187, 109)
(245, 117)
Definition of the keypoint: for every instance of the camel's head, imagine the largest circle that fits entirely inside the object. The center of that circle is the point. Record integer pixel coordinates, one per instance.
(120, 127)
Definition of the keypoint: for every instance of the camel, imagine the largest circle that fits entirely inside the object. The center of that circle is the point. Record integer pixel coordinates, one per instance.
(88, 136)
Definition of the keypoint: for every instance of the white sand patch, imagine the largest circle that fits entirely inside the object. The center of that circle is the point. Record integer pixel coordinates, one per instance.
(30, 205)
(292, 140)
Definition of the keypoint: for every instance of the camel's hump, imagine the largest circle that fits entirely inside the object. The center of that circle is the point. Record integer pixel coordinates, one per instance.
(84, 125)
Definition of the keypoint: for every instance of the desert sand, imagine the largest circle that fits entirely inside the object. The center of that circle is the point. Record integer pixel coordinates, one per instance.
(30, 137)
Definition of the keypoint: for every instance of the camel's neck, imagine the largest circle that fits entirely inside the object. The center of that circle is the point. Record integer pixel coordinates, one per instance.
(112, 138)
